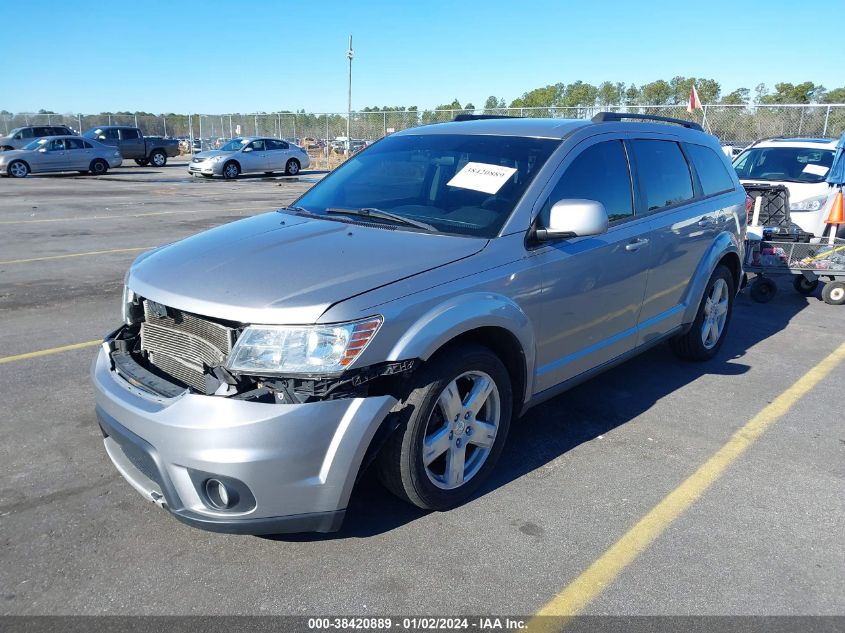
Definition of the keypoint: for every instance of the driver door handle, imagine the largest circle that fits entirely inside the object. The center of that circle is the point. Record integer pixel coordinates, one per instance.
(636, 245)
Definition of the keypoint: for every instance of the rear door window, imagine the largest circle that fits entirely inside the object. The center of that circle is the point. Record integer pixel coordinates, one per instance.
(663, 173)
(129, 133)
(599, 173)
(43, 131)
(711, 170)
(74, 143)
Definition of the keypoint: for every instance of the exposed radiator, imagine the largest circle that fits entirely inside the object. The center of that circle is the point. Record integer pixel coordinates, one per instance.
(183, 344)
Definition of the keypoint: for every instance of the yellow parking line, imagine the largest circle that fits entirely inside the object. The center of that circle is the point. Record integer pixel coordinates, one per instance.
(47, 352)
(131, 215)
(41, 259)
(587, 586)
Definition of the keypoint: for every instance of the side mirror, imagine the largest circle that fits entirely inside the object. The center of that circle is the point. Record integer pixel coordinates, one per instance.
(247, 149)
(574, 218)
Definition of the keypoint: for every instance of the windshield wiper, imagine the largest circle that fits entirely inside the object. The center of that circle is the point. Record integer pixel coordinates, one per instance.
(370, 212)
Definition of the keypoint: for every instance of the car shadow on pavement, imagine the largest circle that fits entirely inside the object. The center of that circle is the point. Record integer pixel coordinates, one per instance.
(583, 413)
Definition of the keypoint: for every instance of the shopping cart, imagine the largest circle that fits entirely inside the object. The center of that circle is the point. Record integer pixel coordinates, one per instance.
(808, 263)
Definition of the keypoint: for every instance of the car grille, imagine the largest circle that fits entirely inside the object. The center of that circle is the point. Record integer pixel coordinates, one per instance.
(182, 344)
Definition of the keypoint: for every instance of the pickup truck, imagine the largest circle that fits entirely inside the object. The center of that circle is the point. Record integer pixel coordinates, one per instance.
(132, 144)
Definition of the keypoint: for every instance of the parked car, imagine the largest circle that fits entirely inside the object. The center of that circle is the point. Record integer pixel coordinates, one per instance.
(250, 154)
(801, 165)
(59, 153)
(407, 308)
(133, 145)
(21, 136)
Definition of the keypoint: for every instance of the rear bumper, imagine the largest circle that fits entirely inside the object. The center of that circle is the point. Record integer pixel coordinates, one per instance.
(294, 465)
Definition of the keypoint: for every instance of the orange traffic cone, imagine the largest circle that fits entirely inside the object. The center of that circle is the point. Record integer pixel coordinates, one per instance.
(836, 216)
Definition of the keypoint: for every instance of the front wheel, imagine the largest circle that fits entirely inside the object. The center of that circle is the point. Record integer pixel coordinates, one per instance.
(703, 340)
(292, 167)
(98, 167)
(158, 158)
(18, 169)
(231, 170)
(833, 293)
(452, 426)
(763, 289)
(804, 286)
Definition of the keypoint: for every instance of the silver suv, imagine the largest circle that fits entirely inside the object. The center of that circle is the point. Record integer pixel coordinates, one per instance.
(410, 307)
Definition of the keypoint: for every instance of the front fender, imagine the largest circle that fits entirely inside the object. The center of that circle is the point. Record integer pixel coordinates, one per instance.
(464, 313)
(726, 242)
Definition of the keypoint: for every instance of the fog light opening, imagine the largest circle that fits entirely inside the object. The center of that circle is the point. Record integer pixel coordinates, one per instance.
(219, 495)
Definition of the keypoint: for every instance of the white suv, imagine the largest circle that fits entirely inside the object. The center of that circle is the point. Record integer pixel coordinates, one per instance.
(801, 165)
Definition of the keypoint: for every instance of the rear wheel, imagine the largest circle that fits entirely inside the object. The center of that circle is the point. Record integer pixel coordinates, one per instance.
(804, 286)
(452, 426)
(98, 167)
(763, 290)
(834, 293)
(158, 158)
(292, 167)
(703, 340)
(18, 169)
(231, 170)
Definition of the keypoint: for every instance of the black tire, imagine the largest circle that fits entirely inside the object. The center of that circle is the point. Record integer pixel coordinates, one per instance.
(292, 167)
(833, 293)
(763, 290)
(691, 345)
(231, 170)
(18, 169)
(268, 173)
(158, 158)
(400, 462)
(143, 162)
(98, 167)
(804, 286)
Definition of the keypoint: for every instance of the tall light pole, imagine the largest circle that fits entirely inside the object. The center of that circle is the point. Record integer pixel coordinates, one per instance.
(349, 56)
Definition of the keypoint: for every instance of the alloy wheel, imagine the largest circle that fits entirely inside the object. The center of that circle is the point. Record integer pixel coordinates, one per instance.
(461, 430)
(715, 314)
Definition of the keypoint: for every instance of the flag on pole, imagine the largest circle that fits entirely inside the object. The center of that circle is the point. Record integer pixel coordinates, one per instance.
(694, 101)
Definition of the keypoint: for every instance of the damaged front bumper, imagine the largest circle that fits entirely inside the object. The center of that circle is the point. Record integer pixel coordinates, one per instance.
(284, 467)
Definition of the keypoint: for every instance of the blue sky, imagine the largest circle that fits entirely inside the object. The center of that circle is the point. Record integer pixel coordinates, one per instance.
(265, 56)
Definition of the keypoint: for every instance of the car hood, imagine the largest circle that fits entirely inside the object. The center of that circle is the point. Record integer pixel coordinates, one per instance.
(212, 153)
(797, 190)
(284, 269)
(11, 154)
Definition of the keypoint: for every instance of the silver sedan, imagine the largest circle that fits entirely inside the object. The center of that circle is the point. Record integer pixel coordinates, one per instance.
(250, 154)
(59, 153)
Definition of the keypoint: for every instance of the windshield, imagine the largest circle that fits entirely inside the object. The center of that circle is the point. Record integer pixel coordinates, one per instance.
(36, 144)
(15, 131)
(792, 164)
(235, 145)
(463, 184)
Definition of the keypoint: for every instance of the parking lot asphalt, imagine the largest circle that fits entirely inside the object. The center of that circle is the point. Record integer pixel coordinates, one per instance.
(578, 472)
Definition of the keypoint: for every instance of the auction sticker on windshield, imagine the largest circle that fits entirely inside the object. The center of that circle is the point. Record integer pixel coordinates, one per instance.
(482, 177)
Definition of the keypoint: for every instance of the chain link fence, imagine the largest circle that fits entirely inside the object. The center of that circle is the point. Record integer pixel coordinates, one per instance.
(324, 134)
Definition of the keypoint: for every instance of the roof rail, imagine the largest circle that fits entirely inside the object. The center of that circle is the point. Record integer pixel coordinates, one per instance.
(603, 117)
(476, 117)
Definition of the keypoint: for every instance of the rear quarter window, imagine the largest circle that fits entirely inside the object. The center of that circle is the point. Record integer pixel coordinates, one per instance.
(663, 173)
(711, 170)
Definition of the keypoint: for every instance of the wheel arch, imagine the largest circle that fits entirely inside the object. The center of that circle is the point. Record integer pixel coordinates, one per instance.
(494, 321)
(725, 249)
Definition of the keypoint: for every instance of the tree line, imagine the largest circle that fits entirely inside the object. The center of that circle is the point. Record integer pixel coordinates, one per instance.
(660, 92)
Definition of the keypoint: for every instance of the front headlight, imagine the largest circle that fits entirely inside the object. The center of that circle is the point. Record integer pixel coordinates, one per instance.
(117, 154)
(217, 159)
(810, 204)
(129, 301)
(294, 349)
